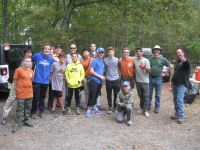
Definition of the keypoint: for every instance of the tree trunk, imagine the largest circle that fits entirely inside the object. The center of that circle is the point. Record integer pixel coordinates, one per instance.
(5, 20)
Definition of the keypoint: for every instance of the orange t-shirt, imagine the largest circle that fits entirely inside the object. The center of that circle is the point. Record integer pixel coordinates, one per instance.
(126, 67)
(24, 79)
(86, 66)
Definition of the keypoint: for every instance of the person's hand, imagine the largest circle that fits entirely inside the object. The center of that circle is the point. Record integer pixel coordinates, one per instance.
(102, 78)
(142, 66)
(128, 106)
(169, 85)
(162, 74)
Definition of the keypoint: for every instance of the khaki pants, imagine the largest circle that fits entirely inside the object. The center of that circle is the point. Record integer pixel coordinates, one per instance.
(9, 102)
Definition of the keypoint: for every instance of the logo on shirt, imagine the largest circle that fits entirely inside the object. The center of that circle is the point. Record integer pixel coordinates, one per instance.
(44, 63)
(74, 70)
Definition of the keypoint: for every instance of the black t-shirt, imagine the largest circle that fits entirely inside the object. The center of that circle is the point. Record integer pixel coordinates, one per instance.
(181, 73)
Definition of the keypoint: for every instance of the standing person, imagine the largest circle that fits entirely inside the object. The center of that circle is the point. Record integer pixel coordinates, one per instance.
(11, 98)
(126, 67)
(180, 81)
(125, 103)
(43, 62)
(57, 77)
(57, 51)
(23, 78)
(93, 52)
(142, 69)
(96, 81)
(74, 75)
(86, 65)
(156, 63)
(112, 78)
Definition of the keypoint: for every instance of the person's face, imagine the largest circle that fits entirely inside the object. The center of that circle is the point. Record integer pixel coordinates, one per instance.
(73, 48)
(179, 53)
(27, 63)
(58, 50)
(28, 54)
(100, 55)
(111, 53)
(126, 89)
(74, 57)
(139, 53)
(93, 47)
(126, 53)
(156, 52)
(47, 50)
(86, 54)
(62, 59)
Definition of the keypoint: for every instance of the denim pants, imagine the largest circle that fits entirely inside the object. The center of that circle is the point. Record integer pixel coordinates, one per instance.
(95, 89)
(39, 95)
(155, 82)
(112, 86)
(143, 93)
(178, 96)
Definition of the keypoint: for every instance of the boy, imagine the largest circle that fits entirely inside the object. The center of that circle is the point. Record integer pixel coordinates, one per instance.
(23, 78)
(125, 103)
(57, 75)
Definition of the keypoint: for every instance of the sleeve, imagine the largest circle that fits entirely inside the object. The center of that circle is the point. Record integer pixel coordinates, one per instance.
(16, 74)
(93, 64)
(67, 73)
(166, 62)
(131, 98)
(34, 57)
(82, 72)
(119, 103)
(186, 64)
(52, 67)
(147, 63)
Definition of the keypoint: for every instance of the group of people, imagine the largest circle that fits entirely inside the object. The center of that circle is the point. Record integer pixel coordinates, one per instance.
(53, 70)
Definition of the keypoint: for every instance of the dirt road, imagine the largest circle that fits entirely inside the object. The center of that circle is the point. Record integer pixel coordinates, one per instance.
(101, 132)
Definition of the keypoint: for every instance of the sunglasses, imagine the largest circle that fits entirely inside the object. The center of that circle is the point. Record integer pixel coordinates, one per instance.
(72, 47)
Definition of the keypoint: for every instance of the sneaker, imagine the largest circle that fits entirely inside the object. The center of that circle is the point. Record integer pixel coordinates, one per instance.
(88, 113)
(78, 111)
(27, 124)
(54, 114)
(3, 121)
(129, 123)
(110, 110)
(156, 110)
(180, 120)
(146, 114)
(64, 113)
(40, 115)
(69, 112)
(140, 111)
(96, 110)
(173, 117)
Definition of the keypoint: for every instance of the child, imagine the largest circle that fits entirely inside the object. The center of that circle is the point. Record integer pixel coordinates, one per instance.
(125, 103)
(23, 78)
(57, 75)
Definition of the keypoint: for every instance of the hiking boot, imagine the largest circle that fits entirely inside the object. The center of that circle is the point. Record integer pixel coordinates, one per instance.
(3, 121)
(173, 117)
(180, 120)
(109, 110)
(88, 113)
(69, 112)
(78, 111)
(146, 114)
(54, 114)
(64, 113)
(156, 110)
(96, 110)
(129, 123)
(27, 124)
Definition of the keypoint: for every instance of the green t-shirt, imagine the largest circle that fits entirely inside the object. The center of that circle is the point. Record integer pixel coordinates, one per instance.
(157, 65)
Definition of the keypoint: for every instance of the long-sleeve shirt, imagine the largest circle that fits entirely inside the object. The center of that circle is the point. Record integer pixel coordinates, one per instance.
(124, 98)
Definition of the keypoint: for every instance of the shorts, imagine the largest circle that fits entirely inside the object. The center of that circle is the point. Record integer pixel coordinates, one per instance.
(57, 94)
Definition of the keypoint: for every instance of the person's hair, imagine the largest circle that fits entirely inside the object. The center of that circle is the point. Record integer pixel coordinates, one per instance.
(110, 48)
(138, 49)
(85, 49)
(126, 48)
(72, 44)
(27, 50)
(74, 53)
(27, 58)
(62, 55)
(46, 44)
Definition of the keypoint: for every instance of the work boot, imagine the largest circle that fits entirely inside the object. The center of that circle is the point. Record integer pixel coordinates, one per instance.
(78, 111)
(28, 124)
(180, 120)
(69, 112)
(173, 117)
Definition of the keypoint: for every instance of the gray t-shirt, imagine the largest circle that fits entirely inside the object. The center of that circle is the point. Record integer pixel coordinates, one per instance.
(58, 71)
(141, 75)
(111, 66)
(69, 58)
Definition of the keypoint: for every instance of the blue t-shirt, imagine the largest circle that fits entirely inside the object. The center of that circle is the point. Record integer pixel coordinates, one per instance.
(42, 68)
(98, 66)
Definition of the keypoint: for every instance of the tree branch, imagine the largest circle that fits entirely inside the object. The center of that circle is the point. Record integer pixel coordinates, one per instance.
(88, 3)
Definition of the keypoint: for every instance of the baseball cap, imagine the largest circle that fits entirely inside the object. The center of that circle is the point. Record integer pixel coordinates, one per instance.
(100, 50)
(125, 83)
(58, 46)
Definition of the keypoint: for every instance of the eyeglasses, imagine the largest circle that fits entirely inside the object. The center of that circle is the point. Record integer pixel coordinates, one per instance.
(72, 47)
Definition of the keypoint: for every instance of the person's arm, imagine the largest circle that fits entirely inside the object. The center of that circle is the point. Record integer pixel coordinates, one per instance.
(92, 72)
(119, 103)
(147, 67)
(82, 72)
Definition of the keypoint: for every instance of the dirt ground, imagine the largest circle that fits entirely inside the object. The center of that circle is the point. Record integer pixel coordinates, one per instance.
(101, 132)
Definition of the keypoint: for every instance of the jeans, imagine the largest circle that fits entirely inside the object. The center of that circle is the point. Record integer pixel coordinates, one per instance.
(39, 95)
(95, 89)
(70, 95)
(122, 111)
(112, 86)
(178, 96)
(50, 99)
(155, 82)
(143, 93)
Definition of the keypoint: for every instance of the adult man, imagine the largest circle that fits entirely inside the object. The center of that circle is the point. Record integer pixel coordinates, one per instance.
(73, 49)
(126, 66)
(86, 65)
(43, 62)
(142, 69)
(8, 105)
(93, 52)
(112, 77)
(96, 80)
(179, 82)
(156, 63)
